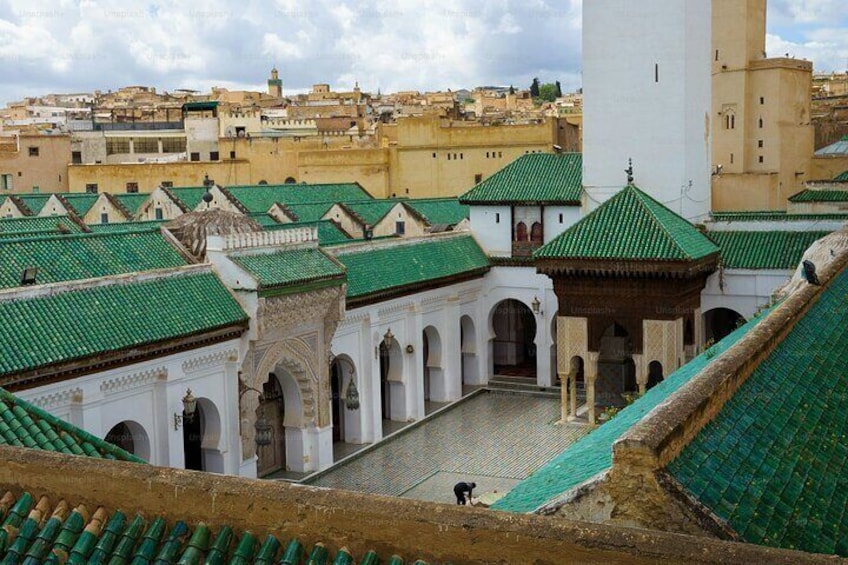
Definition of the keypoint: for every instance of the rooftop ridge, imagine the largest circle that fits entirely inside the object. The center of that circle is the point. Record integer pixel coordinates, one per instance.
(645, 200)
(235, 241)
(366, 245)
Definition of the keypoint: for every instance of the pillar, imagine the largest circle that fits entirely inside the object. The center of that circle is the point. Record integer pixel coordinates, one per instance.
(641, 373)
(565, 387)
(590, 374)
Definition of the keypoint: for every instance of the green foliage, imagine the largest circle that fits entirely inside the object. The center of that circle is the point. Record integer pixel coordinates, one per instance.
(548, 92)
(534, 88)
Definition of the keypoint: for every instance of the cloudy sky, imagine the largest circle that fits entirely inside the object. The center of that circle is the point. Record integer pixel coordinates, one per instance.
(83, 45)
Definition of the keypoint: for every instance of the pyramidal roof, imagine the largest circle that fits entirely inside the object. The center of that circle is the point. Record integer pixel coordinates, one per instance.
(532, 180)
(630, 226)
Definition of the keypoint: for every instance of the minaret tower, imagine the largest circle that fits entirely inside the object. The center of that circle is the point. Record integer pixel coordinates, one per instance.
(275, 85)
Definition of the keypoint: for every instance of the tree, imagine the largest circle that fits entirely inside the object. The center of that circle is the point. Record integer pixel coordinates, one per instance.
(534, 88)
(558, 89)
(547, 92)
(511, 89)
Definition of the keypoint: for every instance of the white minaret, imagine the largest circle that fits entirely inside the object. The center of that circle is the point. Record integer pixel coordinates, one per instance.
(647, 96)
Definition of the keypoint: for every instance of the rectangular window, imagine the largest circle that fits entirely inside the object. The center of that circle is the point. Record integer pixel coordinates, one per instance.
(33, 151)
(132, 187)
(478, 178)
(232, 154)
(145, 145)
(36, 189)
(497, 218)
(76, 157)
(560, 218)
(400, 228)
(195, 156)
(104, 218)
(762, 100)
(173, 144)
(167, 183)
(213, 155)
(157, 213)
(487, 154)
(716, 55)
(500, 154)
(656, 72)
(731, 158)
(117, 145)
(434, 155)
(760, 144)
(761, 159)
(91, 188)
(6, 181)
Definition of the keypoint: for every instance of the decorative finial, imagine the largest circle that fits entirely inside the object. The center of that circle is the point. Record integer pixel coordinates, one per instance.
(629, 171)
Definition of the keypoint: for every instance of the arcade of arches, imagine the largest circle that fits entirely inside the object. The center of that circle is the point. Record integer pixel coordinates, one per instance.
(514, 349)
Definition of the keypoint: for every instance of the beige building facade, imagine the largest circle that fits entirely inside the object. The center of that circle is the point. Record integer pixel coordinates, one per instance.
(761, 115)
(34, 163)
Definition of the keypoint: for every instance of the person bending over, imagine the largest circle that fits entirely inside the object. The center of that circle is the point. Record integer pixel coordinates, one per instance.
(463, 491)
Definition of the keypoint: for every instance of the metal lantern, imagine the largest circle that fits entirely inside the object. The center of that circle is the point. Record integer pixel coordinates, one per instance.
(189, 405)
(263, 431)
(352, 396)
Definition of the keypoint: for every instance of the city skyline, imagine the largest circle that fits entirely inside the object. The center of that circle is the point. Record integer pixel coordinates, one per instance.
(86, 45)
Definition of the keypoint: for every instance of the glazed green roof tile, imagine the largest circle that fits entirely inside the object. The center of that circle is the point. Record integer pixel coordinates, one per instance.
(310, 211)
(820, 196)
(773, 216)
(80, 203)
(384, 268)
(535, 179)
(189, 196)
(773, 462)
(329, 233)
(436, 211)
(25, 425)
(371, 211)
(838, 149)
(287, 267)
(630, 226)
(132, 202)
(260, 198)
(592, 454)
(79, 323)
(118, 227)
(130, 538)
(264, 220)
(33, 225)
(841, 177)
(35, 202)
(763, 249)
(85, 256)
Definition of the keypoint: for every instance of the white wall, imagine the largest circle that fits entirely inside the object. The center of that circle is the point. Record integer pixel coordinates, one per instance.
(492, 227)
(662, 125)
(793, 226)
(744, 291)
(149, 394)
(553, 226)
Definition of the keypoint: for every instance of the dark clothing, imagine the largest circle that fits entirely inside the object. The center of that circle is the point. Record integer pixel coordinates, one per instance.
(461, 490)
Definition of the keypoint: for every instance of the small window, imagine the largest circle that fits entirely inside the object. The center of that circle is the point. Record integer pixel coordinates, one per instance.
(400, 228)
(760, 123)
(761, 159)
(716, 55)
(213, 155)
(478, 178)
(195, 156)
(33, 151)
(487, 154)
(91, 188)
(167, 183)
(500, 154)
(132, 187)
(560, 218)
(104, 218)
(76, 157)
(6, 181)
(449, 156)
(461, 156)
(656, 72)
(157, 213)
(232, 154)
(731, 158)
(497, 218)
(434, 155)
(760, 144)
(762, 100)
(36, 189)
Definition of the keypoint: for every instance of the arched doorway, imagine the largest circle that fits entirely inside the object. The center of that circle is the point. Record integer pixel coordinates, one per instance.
(131, 437)
(434, 386)
(468, 346)
(514, 348)
(616, 369)
(520, 231)
(536, 232)
(655, 374)
(341, 373)
(391, 374)
(720, 322)
(272, 457)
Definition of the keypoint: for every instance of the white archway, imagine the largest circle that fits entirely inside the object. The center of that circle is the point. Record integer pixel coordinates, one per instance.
(513, 327)
(130, 436)
(342, 372)
(392, 388)
(468, 347)
(435, 388)
(720, 322)
(210, 436)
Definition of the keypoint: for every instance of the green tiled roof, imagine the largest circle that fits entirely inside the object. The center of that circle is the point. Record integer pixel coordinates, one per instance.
(260, 198)
(80, 203)
(69, 535)
(841, 177)
(37, 225)
(85, 256)
(310, 211)
(773, 216)
(328, 232)
(838, 149)
(763, 249)
(373, 211)
(592, 454)
(535, 179)
(820, 196)
(439, 210)
(35, 202)
(117, 227)
(25, 425)
(264, 219)
(773, 462)
(383, 268)
(630, 226)
(287, 267)
(51, 329)
(188, 196)
(132, 202)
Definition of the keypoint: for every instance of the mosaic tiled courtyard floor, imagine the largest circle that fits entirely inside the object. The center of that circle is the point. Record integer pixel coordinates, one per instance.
(494, 439)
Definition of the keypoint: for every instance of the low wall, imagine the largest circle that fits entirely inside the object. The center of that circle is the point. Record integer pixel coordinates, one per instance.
(435, 532)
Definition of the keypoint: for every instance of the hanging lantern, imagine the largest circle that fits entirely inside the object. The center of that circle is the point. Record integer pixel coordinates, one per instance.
(189, 405)
(263, 431)
(352, 396)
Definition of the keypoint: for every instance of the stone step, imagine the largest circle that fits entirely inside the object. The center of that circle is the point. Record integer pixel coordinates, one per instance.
(512, 379)
(538, 393)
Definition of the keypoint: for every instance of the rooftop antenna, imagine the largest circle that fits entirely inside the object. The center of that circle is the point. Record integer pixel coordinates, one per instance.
(629, 171)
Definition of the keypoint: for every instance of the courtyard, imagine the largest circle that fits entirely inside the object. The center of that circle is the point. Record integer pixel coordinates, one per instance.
(493, 438)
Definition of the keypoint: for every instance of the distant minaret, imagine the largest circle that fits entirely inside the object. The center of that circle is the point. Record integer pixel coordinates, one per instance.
(647, 96)
(275, 85)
